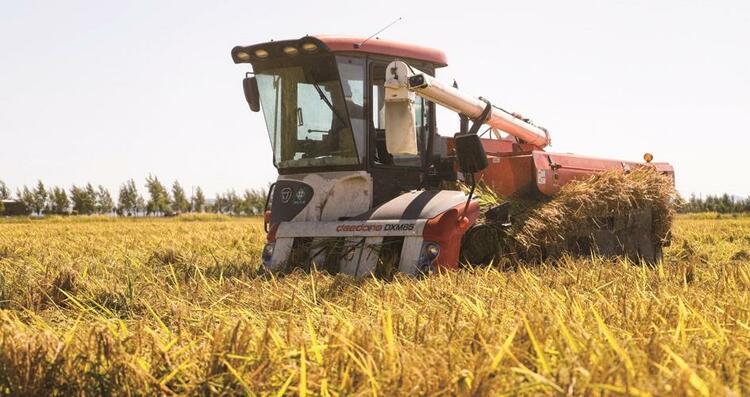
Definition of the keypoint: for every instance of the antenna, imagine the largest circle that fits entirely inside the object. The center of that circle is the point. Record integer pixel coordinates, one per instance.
(360, 45)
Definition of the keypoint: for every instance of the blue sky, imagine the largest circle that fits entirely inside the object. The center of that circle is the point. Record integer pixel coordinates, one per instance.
(105, 91)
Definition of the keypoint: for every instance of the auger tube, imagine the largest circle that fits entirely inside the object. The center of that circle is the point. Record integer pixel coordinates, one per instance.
(460, 102)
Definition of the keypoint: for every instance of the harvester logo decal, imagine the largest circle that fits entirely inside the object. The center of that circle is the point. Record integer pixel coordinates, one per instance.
(299, 196)
(286, 194)
(364, 227)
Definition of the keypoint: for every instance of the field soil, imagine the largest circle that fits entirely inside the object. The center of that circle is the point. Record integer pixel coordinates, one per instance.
(96, 306)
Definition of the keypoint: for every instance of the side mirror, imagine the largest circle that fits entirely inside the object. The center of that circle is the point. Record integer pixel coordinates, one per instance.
(470, 153)
(252, 96)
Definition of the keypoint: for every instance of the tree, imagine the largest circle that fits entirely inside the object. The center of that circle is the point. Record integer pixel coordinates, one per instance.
(179, 200)
(4, 191)
(104, 202)
(26, 197)
(39, 199)
(90, 197)
(221, 205)
(58, 201)
(84, 199)
(76, 196)
(140, 204)
(235, 204)
(254, 201)
(128, 197)
(4, 195)
(158, 202)
(198, 200)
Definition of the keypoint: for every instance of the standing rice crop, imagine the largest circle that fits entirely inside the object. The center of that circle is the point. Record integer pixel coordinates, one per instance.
(144, 307)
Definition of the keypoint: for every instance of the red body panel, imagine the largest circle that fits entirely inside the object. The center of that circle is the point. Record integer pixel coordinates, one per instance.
(559, 169)
(384, 47)
(522, 169)
(447, 229)
(509, 175)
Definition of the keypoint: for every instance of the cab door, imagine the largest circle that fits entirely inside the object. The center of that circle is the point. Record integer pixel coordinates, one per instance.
(392, 175)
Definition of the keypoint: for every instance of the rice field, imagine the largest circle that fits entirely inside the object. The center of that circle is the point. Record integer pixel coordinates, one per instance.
(92, 306)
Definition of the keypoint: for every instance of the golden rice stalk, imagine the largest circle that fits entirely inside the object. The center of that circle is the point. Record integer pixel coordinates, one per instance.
(612, 193)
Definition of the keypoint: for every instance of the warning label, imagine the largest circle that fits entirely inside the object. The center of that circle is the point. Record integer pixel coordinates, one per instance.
(541, 177)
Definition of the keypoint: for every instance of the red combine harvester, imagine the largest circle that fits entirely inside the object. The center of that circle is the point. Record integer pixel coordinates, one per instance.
(361, 166)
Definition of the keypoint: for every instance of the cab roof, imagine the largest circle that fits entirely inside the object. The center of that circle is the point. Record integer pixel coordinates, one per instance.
(384, 47)
(339, 43)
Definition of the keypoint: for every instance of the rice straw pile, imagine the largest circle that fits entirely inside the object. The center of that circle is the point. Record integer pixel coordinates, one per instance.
(544, 223)
(610, 193)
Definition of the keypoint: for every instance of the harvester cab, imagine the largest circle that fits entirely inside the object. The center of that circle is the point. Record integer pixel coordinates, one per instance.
(353, 134)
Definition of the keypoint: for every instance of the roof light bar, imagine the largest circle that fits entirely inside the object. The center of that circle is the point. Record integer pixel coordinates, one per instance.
(309, 47)
(291, 51)
(242, 56)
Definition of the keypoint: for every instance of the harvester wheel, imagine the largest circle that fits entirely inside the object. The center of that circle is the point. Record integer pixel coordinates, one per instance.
(388, 257)
(483, 244)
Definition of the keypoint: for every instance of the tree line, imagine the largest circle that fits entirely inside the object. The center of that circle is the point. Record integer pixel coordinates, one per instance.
(87, 200)
(723, 204)
(160, 201)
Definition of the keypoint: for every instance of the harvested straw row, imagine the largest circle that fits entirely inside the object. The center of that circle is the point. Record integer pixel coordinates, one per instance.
(612, 193)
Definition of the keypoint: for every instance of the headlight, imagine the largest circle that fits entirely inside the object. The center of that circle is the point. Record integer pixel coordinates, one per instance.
(261, 53)
(432, 250)
(428, 255)
(291, 51)
(310, 47)
(242, 56)
(268, 252)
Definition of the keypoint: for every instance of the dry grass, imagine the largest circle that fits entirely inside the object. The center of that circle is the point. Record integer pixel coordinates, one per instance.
(539, 222)
(169, 307)
(608, 193)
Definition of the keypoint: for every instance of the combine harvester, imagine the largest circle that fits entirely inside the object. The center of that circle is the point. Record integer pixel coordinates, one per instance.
(363, 173)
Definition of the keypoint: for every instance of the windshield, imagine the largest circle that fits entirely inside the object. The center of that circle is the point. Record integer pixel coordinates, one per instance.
(306, 113)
